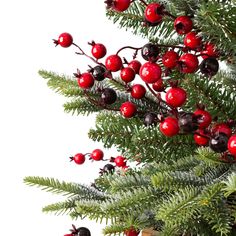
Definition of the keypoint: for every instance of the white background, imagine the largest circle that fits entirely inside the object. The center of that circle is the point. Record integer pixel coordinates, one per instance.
(37, 137)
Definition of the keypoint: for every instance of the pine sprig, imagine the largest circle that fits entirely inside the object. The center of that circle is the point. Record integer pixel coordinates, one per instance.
(61, 187)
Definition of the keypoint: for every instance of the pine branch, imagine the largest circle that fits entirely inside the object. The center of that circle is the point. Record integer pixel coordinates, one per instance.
(230, 185)
(66, 189)
(61, 84)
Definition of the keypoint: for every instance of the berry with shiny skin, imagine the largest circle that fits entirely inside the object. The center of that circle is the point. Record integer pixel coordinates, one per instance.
(209, 50)
(131, 232)
(98, 50)
(65, 40)
(69, 235)
(150, 52)
(113, 63)
(170, 59)
(176, 97)
(99, 73)
(85, 80)
(187, 122)
(188, 63)
(183, 24)
(97, 155)
(200, 138)
(108, 168)
(78, 158)
(82, 231)
(222, 128)
(120, 161)
(158, 86)
(128, 109)
(150, 72)
(169, 126)
(209, 66)
(135, 65)
(108, 96)
(192, 41)
(121, 5)
(232, 145)
(138, 91)
(203, 118)
(150, 118)
(153, 13)
(219, 143)
(127, 74)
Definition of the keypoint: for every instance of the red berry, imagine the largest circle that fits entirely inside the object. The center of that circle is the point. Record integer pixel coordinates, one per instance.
(232, 144)
(97, 155)
(169, 127)
(183, 24)
(176, 97)
(170, 59)
(120, 161)
(192, 40)
(85, 80)
(98, 50)
(121, 5)
(128, 109)
(203, 118)
(127, 74)
(69, 235)
(135, 65)
(210, 50)
(79, 158)
(188, 63)
(138, 91)
(159, 86)
(200, 138)
(65, 40)
(153, 13)
(150, 72)
(113, 63)
(222, 128)
(131, 232)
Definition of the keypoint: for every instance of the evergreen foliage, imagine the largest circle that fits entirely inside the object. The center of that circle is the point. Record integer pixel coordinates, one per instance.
(178, 188)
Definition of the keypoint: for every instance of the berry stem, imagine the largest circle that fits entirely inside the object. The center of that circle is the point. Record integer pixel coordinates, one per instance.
(144, 3)
(130, 47)
(84, 54)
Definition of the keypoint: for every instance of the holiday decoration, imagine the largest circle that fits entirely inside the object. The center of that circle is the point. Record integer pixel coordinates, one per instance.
(168, 107)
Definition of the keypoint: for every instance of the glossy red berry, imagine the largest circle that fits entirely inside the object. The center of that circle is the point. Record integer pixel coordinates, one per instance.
(232, 144)
(98, 50)
(209, 50)
(150, 72)
(169, 127)
(79, 158)
(183, 24)
(97, 155)
(176, 97)
(120, 161)
(201, 138)
(127, 74)
(188, 63)
(222, 128)
(113, 63)
(153, 13)
(128, 109)
(131, 232)
(121, 5)
(159, 86)
(65, 40)
(192, 40)
(203, 118)
(138, 91)
(85, 80)
(69, 235)
(170, 59)
(135, 65)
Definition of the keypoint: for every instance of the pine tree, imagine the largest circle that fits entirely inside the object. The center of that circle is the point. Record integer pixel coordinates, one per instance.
(185, 183)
